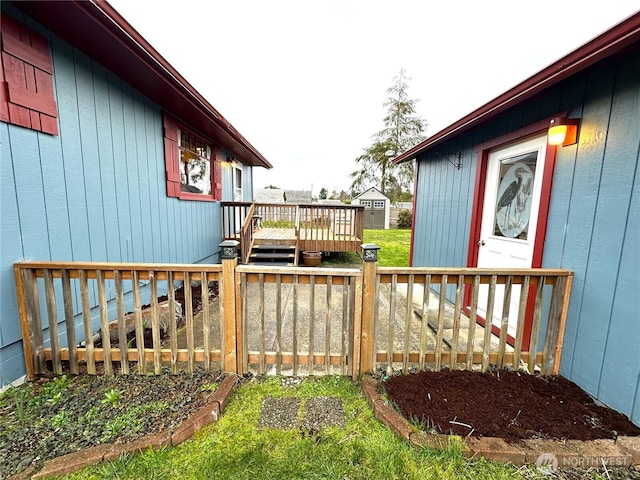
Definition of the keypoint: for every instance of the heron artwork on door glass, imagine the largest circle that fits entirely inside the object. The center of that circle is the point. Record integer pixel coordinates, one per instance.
(513, 202)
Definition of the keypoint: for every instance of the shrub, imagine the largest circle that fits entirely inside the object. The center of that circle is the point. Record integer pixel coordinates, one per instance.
(404, 219)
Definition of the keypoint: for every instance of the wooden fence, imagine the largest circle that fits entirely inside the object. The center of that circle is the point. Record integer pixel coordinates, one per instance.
(285, 320)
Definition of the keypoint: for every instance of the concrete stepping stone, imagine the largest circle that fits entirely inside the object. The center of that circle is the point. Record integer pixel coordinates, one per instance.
(279, 413)
(319, 413)
(322, 412)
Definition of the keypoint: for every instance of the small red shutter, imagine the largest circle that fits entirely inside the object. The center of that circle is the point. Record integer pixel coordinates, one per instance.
(217, 174)
(27, 79)
(171, 161)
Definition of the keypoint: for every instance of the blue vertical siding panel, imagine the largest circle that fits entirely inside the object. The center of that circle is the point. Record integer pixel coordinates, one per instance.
(12, 366)
(90, 158)
(142, 185)
(438, 206)
(555, 242)
(184, 228)
(422, 241)
(55, 197)
(157, 180)
(27, 173)
(172, 232)
(620, 377)
(107, 162)
(65, 87)
(463, 211)
(589, 344)
(560, 202)
(10, 242)
(121, 181)
(29, 189)
(432, 233)
(449, 202)
(422, 216)
(155, 169)
(205, 228)
(614, 269)
(135, 244)
(454, 222)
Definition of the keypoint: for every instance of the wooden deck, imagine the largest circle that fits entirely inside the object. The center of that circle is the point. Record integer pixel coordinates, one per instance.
(324, 240)
(315, 227)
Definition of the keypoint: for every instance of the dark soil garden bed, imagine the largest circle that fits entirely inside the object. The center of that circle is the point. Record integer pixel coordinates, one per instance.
(55, 416)
(196, 305)
(502, 403)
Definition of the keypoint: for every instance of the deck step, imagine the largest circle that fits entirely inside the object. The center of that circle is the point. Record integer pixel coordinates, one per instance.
(274, 247)
(272, 264)
(272, 255)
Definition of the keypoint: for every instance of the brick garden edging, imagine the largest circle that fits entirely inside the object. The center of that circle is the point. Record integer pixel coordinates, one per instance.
(206, 415)
(625, 451)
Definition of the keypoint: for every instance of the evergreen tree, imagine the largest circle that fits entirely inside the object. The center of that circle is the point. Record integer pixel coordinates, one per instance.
(402, 130)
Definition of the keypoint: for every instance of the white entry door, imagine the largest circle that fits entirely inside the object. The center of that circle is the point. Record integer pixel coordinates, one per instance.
(510, 217)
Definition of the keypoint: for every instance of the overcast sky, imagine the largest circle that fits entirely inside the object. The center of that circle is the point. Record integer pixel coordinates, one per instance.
(305, 81)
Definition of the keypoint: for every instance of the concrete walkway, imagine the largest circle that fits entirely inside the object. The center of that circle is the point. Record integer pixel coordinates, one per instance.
(332, 329)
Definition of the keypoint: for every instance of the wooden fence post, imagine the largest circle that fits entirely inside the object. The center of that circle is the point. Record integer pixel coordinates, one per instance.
(367, 353)
(229, 256)
(25, 324)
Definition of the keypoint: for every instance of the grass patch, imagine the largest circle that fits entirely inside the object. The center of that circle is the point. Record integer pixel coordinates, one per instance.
(236, 448)
(394, 250)
(394, 246)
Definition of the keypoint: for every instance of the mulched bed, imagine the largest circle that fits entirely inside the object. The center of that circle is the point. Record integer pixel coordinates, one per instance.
(503, 403)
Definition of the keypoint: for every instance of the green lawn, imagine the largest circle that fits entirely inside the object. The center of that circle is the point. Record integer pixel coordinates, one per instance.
(235, 448)
(394, 250)
(394, 246)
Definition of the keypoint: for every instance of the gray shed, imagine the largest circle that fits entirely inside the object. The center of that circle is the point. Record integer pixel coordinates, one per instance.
(376, 208)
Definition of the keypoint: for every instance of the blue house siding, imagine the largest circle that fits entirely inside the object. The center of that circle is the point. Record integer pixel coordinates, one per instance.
(95, 192)
(602, 240)
(593, 226)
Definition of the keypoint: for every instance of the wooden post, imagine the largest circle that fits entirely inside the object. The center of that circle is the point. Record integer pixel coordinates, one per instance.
(228, 297)
(370, 257)
(25, 324)
(562, 322)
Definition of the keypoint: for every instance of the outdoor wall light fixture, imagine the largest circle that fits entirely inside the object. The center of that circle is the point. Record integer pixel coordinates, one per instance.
(563, 131)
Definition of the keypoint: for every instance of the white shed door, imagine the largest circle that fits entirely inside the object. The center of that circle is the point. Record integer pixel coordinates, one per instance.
(510, 217)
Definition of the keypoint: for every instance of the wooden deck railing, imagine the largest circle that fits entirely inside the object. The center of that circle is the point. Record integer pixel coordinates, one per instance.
(276, 215)
(288, 320)
(330, 228)
(246, 234)
(322, 227)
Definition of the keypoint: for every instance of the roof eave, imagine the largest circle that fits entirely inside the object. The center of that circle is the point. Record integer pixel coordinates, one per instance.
(104, 35)
(608, 43)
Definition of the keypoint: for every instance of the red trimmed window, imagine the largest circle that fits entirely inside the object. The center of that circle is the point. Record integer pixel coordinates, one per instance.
(26, 79)
(193, 171)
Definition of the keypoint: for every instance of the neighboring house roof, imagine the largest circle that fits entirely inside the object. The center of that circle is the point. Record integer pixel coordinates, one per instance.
(611, 42)
(298, 196)
(268, 195)
(371, 190)
(98, 30)
(278, 195)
